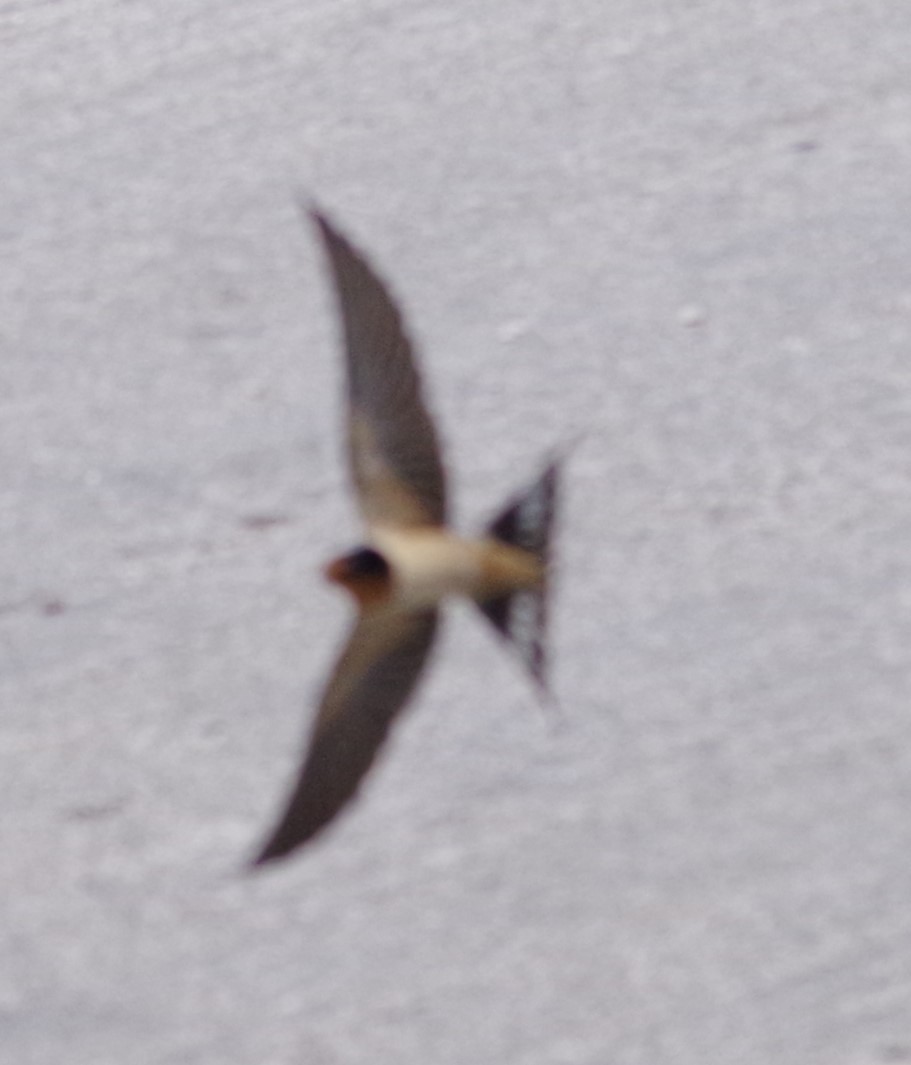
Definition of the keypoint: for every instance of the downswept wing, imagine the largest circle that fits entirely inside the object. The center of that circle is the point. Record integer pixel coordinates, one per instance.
(372, 680)
(394, 453)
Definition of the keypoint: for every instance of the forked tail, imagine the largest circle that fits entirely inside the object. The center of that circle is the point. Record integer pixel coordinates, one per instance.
(521, 617)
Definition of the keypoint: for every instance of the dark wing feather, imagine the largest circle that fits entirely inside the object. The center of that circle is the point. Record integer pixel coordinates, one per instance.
(372, 680)
(395, 456)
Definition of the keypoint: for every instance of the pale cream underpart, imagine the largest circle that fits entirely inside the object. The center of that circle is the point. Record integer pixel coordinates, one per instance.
(429, 564)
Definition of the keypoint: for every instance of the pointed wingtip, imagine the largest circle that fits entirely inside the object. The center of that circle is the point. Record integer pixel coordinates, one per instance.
(311, 211)
(254, 866)
(335, 242)
(265, 859)
(276, 847)
(261, 858)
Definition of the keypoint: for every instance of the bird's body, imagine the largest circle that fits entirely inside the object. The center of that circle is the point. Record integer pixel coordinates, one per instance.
(427, 565)
(410, 560)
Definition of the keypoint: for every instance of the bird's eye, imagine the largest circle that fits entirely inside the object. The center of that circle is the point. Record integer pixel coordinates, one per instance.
(366, 562)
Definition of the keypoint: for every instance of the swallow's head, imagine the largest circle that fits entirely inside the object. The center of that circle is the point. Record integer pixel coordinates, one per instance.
(364, 573)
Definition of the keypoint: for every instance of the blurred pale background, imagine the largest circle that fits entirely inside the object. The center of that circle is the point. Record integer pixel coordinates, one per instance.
(681, 228)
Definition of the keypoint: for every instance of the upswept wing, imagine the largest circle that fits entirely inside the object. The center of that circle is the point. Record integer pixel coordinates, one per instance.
(372, 680)
(394, 453)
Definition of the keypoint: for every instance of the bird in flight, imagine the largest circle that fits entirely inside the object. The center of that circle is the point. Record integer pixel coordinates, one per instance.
(410, 559)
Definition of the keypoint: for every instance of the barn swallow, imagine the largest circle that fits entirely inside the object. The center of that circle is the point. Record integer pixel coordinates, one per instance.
(410, 560)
